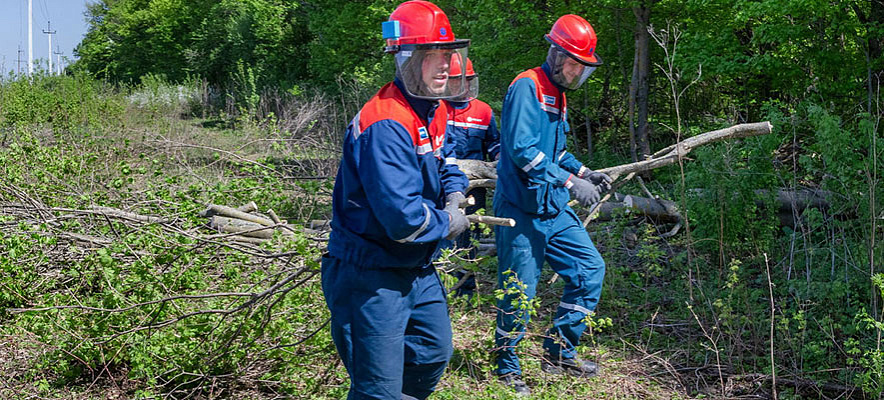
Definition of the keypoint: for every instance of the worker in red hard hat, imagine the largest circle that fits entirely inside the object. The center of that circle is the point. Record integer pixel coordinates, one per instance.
(395, 198)
(472, 131)
(534, 177)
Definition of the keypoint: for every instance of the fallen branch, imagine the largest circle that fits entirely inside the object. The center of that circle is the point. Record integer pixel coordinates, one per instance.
(473, 218)
(483, 174)
(671, 154)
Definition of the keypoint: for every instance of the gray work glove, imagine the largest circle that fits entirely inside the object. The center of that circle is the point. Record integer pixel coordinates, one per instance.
(600, 179)
(457, 221)
(585, 191)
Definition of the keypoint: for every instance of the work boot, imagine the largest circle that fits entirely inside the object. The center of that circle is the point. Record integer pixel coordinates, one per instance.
(571, 366)
(514, 381)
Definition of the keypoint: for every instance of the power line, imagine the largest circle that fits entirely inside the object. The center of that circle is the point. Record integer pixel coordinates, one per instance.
(21, 20)
(44, 9)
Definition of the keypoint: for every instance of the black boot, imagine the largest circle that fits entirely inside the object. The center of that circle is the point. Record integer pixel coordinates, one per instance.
(570, 366)
(514, 381)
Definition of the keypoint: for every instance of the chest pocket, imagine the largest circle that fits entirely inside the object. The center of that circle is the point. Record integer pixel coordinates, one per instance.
(475, 143)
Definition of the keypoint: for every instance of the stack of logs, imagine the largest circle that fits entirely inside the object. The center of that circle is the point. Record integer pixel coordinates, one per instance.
(244, 224)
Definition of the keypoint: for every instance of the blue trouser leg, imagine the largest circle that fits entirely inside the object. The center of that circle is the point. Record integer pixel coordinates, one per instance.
(390, 327)
(571, 253)
(563, 242)
(520, 250)
(427, 339)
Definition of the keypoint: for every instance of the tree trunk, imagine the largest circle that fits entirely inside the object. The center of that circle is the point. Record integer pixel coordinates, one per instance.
(640, 86)
(876, 50)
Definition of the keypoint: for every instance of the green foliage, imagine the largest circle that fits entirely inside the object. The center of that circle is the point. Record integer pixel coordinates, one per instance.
(868, 354)
(264, 36)
(65, 102)
(131, 38)
(515, 292)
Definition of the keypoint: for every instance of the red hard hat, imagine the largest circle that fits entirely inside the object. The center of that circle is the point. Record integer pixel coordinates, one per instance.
(420, 22)
(456, 69)
(575, 36)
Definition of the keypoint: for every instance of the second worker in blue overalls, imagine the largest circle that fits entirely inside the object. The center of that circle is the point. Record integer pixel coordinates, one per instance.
(535, 176)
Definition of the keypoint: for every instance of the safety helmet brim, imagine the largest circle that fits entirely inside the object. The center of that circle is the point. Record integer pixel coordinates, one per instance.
(452, 45)
(594, 60)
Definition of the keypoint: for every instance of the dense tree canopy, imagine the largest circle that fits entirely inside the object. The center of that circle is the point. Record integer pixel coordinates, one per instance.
(751, 51)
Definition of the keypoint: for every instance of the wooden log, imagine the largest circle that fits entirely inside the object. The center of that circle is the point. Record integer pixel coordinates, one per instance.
(250, 207)
(789, 203)
(249, 240)
(482, 183)
(484, 219)
(225, 211)
(242, 227)
(274, 217)
(320, 224)
(662, 211)
(469, 201)
(478, 169)
(247, 228)
(113, 212)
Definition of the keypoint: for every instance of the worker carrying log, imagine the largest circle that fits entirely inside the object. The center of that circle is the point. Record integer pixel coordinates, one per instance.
(473, 133)
(535, 174)
(394, 199)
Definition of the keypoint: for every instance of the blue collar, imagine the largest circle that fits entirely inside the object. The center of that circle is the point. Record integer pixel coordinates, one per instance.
(546, 70)
(423, 108)
(459, 105)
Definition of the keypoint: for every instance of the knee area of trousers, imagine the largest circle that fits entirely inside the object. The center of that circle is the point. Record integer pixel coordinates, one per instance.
(420, 380)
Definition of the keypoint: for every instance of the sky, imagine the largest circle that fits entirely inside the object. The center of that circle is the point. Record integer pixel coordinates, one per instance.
(67, 20)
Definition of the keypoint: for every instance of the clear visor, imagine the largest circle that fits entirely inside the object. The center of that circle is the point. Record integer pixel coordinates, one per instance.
(566, 71)
(424, 72)
(470, 92)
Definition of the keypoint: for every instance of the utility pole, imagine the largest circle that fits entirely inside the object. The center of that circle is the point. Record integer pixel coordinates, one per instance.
(58, 54)
(19, 61)
(30, 37)
(49, 32)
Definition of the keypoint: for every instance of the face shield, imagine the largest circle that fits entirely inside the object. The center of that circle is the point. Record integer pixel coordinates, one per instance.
(567, 71)
(423, 69)
(470, 92)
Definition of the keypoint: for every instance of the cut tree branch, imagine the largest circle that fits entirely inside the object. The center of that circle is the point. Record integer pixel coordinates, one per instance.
(484, 174)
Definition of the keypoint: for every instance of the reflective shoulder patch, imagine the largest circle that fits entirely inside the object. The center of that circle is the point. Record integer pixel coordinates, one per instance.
(354, 125)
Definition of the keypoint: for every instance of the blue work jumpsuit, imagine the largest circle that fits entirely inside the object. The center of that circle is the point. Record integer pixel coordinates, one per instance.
(533, 171)
(389, 316)
(473, 133)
